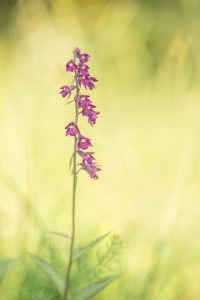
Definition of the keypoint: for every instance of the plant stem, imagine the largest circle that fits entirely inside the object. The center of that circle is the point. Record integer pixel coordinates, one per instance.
(67, 283)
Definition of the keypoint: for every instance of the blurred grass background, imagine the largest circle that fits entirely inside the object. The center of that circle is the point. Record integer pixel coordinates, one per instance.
(145, 54)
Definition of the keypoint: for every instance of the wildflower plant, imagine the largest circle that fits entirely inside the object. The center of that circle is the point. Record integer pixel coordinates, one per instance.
(84, 106)
(73, 285)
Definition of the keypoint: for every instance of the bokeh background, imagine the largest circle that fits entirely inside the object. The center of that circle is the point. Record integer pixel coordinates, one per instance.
(146, 55)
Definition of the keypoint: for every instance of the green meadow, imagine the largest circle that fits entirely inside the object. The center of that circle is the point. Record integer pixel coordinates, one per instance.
(146, 56)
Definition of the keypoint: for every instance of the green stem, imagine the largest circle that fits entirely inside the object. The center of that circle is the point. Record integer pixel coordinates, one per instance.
(67, 282)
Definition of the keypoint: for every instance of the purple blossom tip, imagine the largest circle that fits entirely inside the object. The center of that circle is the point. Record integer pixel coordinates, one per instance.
(77, 51)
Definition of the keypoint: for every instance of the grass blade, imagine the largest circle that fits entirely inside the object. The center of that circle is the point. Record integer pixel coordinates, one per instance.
(89, 247)
(95, 288)
(59, 234)
(55, 277)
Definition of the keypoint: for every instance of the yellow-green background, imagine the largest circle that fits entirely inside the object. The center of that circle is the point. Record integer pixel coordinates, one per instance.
(146, 56)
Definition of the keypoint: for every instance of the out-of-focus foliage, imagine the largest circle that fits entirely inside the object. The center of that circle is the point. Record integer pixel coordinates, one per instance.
(146, 55)
(90, 273)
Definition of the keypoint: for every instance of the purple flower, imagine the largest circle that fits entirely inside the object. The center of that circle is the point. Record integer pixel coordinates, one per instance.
(87, 81)
(90, 113)
(92, 169)
(83, 143)
(90, 83)
(83, 57)
(92, 118)
(72, 129)
(88, 158)
(83, 101)
(83, 69)
(88, 109)
(66, 90)
(71, 66)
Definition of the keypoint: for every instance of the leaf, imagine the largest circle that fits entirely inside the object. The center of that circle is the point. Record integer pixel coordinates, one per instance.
(89, 247)
(5, 266)
(70, 162)
(56, 278)
(95, 288)
(59, 233)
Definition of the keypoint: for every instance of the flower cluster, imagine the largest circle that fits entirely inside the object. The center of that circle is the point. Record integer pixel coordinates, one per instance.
(84, 105)
(87, 107)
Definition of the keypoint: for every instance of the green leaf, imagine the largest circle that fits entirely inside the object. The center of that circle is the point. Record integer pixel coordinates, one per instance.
(89, 247)
(5, 266)
(95, 288)
(59, 233)
(70, 162)
(56, 278)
